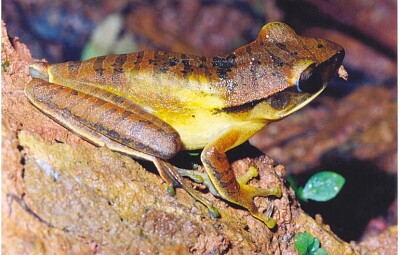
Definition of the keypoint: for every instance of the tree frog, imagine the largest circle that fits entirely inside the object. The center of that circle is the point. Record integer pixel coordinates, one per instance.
(152, 104)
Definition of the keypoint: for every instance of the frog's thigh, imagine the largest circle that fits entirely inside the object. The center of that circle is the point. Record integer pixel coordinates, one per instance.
(105, 123)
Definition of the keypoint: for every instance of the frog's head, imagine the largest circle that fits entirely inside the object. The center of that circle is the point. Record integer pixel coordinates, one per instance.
(314, 63)
(294, 69)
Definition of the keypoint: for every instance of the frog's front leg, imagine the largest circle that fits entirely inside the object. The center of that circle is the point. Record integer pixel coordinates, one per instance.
(235, 190)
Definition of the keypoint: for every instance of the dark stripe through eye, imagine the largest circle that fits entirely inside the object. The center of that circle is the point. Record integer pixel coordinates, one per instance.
(280, 100)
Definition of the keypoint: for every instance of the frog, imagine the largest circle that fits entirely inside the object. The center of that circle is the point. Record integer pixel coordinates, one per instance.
(153, 104)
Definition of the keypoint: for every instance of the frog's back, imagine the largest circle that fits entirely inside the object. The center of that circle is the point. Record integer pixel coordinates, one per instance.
(145, 77)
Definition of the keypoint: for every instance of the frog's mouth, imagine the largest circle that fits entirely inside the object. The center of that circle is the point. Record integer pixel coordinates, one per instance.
(312, 81)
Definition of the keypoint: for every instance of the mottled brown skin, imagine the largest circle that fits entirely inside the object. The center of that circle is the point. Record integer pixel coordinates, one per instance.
(152, 104)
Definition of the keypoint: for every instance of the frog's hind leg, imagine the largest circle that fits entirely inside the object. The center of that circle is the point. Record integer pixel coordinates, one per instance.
(74, 108)
(171, 176)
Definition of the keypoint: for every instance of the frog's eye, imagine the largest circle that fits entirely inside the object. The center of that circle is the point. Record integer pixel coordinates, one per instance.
(310, 80)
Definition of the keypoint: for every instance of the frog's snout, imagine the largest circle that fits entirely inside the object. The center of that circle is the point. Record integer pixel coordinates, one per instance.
(338, 58)
(330, 67)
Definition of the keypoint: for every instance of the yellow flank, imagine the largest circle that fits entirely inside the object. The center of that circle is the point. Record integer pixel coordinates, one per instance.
(147, 89)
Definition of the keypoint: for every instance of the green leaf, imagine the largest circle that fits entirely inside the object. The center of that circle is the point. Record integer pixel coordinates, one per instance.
(302, 242)
(314, 246)
(321, 251)
(292, 182)
(306, 244)
(299, 193)
(323, 186)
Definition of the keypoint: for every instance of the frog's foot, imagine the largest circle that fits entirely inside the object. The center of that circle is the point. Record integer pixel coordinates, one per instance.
(255, 191)
(199, 177)
(246, 194)
(173, 178)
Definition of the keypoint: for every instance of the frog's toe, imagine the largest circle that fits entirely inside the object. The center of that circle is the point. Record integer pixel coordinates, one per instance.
(199, 177)
(265, 217)
(171, 190)
(214, 212)
(247, 176)
(192, 174)
(247, 195)
(255, 191)
(270, 222)
(259, 192)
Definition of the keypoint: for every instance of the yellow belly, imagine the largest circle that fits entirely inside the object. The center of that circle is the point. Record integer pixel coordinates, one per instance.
(199, 127)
